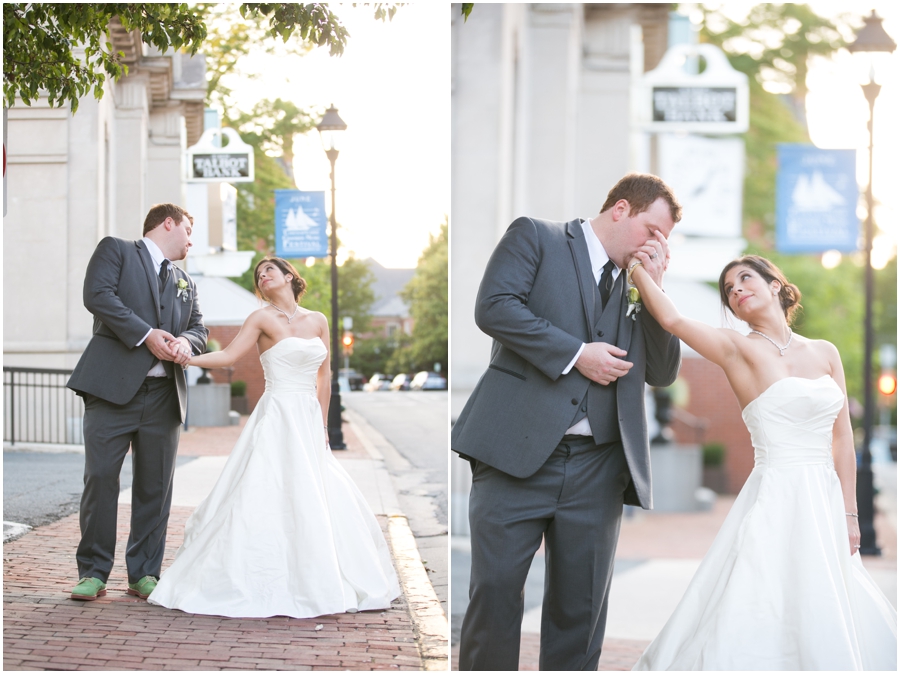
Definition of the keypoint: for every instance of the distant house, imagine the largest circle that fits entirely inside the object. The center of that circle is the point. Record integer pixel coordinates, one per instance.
(390, 314)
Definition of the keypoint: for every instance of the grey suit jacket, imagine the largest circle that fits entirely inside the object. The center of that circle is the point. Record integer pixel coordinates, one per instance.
(537, 301)
(121, 290)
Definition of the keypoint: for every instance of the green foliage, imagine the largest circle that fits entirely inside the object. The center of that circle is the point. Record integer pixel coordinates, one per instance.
(41, 42)
(230, 38)
(355, 294)
(238, 388)
(466, 9)
(713, 454)
(774, 42)
(372, 355)
(426, 295)
(271, 126)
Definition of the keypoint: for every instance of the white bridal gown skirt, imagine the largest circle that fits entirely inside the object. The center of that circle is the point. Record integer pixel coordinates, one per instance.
(285, 530)
(778, 589)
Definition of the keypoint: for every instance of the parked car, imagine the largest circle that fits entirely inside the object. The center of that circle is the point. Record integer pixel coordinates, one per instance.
(428, 381)
(379, 382)
(354, 379)
(401, 382)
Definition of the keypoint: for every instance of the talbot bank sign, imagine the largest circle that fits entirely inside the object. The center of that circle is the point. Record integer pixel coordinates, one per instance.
(209, 162)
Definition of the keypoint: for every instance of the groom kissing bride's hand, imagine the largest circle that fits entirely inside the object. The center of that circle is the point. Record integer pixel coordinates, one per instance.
(555, 430)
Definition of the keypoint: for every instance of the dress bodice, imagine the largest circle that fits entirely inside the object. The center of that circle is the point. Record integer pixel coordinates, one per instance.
(791, 422)
(291, 365)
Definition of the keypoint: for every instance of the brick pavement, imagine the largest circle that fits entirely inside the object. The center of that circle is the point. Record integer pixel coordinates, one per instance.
(44, 629)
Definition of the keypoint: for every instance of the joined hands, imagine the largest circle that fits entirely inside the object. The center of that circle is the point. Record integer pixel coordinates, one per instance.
(168, 347)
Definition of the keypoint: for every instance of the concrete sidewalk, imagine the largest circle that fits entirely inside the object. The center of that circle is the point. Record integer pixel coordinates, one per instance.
(657, 555)
(44, 629)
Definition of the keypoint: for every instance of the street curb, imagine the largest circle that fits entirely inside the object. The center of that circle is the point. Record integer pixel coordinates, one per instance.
(428, 617)
(429, 621)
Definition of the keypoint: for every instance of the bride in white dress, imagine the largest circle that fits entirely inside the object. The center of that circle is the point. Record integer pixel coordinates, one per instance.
(782, 586)
(285, 531)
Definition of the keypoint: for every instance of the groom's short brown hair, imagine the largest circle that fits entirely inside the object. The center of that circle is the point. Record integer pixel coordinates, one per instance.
(640, 190)
(159, 212)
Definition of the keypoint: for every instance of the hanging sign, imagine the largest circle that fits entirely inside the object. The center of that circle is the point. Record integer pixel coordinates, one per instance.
(674, 99)
(209, 162)
(815, 200)
(300, 224)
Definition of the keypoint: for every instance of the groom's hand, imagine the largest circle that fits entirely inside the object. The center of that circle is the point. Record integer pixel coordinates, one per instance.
(602, 363)
(158, 343)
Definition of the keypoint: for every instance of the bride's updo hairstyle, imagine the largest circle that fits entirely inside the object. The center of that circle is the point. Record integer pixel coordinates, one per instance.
(788, 296)
(298, 285)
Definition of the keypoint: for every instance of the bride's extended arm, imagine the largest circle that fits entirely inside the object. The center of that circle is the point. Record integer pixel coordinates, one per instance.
(714, 344)
(323, 376)
(843, 452)
(247, 337)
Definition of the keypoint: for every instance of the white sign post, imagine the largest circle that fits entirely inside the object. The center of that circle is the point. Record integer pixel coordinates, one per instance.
(674, 99)
(207, 162)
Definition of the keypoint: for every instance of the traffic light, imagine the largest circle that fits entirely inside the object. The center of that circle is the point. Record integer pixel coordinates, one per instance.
(347, 341)
(887, 384)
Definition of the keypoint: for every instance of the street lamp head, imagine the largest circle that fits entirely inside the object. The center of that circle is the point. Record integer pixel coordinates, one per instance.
(872, 37)
(329, 128)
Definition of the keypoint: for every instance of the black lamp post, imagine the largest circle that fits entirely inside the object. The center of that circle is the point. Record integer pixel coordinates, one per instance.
(871, 38)
(329, 128)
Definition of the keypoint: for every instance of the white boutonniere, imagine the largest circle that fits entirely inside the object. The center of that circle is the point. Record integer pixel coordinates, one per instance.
(184, 291)
(634, 295)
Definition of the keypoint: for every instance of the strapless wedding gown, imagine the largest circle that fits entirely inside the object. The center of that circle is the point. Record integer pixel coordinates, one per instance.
(778, 589)
(285, 531)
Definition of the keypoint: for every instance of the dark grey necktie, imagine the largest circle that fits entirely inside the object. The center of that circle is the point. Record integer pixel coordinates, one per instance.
(163, 275)
(606, 282)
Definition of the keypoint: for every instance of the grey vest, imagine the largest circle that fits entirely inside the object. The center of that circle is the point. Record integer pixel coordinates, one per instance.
(599, 404)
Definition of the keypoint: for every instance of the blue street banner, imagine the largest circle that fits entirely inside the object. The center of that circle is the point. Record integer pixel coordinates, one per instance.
(815, 200)
(300, 224)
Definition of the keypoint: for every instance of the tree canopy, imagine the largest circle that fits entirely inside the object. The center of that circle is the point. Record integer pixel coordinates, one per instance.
(427, 297)
(64, 49)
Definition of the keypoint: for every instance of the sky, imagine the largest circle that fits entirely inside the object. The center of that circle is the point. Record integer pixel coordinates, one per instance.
(392, 88)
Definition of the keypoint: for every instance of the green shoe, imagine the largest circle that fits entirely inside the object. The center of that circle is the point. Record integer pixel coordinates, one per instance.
(88, 589)
(143, 587)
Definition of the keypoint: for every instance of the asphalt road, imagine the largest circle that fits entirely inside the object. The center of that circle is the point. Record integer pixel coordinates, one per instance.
(415, 423)
(40, 488)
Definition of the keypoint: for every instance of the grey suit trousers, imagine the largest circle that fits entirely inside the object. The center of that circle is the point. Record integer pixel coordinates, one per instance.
(574, 504)
(150, 423)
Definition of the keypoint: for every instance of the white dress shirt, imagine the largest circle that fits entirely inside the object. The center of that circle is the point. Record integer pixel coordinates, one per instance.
(599, 258)
(157, 255)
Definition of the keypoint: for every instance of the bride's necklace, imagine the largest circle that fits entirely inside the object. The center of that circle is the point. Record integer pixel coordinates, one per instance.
(781, 349)
(296, 309)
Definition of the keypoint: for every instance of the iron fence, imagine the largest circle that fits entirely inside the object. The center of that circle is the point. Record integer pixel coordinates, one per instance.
(39, 408)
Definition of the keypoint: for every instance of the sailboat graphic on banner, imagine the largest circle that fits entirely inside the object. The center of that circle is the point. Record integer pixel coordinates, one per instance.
(300, 224)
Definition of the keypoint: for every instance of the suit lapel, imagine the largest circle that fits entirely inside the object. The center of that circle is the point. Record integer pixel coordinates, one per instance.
(626, 324)
(176, 310)
(582, 260)
(152, 274)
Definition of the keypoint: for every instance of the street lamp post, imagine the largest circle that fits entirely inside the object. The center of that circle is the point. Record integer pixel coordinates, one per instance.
(871, 38)
(329, 127)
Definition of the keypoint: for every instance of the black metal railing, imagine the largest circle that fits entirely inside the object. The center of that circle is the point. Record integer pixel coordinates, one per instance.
(39, 408)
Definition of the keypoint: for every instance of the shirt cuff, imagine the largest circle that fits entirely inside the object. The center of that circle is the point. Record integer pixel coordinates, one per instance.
(144, 338)
(572, 364)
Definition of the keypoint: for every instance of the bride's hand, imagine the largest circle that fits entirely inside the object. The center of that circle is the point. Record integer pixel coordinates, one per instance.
(853, 529)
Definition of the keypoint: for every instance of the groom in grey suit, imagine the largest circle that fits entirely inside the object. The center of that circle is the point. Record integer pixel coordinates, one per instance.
(147, 324)
(555, 428)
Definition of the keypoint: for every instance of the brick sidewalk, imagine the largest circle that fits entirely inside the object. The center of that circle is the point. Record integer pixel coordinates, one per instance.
(44, 629)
